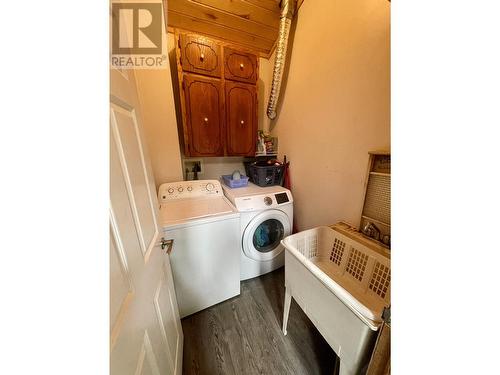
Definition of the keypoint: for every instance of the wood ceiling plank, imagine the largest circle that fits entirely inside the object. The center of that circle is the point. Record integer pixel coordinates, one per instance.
(182, 21)
(272, 5)
(210, 14)
(245, 10)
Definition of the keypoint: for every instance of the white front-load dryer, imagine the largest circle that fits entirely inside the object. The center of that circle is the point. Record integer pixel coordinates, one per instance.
(266, 218)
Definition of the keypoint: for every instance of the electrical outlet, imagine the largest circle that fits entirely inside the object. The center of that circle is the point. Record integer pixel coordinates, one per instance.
(192, 168)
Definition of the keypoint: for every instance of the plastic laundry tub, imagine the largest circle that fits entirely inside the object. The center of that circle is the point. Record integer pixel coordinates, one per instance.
(342, 286)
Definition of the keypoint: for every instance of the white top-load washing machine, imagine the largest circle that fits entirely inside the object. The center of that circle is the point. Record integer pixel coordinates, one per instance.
(266, 218)
(205, 256)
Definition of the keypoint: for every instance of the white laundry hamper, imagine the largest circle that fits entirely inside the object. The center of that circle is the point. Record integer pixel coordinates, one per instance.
(342, 285)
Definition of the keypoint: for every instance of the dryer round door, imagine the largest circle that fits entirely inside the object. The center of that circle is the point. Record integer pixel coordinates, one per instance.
(262, 236)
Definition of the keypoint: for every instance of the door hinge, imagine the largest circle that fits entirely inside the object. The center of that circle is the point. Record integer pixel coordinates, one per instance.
(167, 244)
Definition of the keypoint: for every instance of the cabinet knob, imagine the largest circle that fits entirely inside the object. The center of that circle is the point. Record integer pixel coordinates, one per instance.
(202, 57)
(242, 66)
(242, 122)
(206, 120)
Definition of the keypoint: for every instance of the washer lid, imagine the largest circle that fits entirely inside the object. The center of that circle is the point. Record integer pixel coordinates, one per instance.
(178, 211)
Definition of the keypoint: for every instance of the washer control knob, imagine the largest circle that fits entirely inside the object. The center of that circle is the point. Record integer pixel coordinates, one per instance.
(190, 188)
(268, 201)
(210, 186)
(180, 189)
(170, 190)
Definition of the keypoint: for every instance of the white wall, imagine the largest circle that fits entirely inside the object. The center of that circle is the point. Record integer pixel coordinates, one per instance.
(214, 167)
(264, 86)
(336, 106)
(160, 126)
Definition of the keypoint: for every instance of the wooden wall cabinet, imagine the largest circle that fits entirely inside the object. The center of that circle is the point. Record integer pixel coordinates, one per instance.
(204, 115)
(218, 97)
(241, 118)
(200, 55)
(240, 66)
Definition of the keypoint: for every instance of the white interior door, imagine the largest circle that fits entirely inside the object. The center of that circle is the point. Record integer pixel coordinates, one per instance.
(146, 333)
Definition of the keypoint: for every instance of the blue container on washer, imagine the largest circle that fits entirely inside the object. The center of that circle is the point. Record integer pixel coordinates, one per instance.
(228, 180)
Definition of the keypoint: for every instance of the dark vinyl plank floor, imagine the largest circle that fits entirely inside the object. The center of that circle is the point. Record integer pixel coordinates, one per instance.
(243, 335)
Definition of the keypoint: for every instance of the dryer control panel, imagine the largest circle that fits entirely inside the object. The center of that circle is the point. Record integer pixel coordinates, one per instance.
(189, 189)
(281, 198)
(262, 201)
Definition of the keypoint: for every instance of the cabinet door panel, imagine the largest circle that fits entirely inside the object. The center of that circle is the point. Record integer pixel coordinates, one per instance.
(200, 55)
(204, 115)
(241, 118)
(240, 66)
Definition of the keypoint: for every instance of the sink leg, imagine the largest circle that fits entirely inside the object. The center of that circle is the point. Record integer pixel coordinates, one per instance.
(344, 370)
(286, 309)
